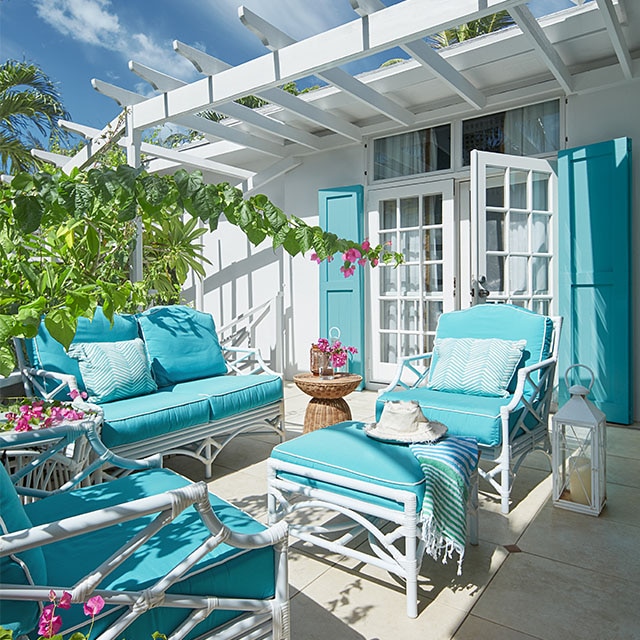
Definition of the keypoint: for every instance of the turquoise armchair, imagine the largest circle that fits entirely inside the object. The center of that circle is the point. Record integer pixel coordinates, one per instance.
(490, 377)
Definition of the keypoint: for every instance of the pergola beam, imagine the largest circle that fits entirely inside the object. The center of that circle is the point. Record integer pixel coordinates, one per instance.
(432, 60)
(262, 178)
(532, 30)
(275, 39)
(395, 25)
(616, 36)
(209, 65)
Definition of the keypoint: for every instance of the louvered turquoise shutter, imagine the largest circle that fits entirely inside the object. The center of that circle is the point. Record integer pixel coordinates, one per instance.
(342, 299)
(594, 264)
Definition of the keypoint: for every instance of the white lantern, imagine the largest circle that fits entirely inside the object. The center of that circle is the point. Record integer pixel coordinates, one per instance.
(579, 452)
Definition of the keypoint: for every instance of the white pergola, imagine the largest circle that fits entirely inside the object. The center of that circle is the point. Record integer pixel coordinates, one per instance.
(577, 50)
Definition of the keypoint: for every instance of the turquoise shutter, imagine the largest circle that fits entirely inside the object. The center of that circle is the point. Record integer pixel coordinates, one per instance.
(594, 264)
(342, 299)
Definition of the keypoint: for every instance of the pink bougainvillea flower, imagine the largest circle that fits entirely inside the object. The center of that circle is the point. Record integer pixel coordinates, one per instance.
(329, 258)
(362, 262)
(351, 255)
(49, 624)
(348, 271)
(315, 258)
(65, 600)
(374, 262)
(366, 245)
(93, 606)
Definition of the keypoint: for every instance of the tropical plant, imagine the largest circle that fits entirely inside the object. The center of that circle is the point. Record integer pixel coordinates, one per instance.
(473, 29)
(30, 107)
(66, 243)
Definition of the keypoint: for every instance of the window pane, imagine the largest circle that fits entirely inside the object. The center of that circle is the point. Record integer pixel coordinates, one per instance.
(388, 280)
(433, 278)
(432, 313)
(432, 209)
(409, 212)
(518, 276)
(433, 244)
(539, 233)
(409, 279)
(410, 345)
(410, 245)
(388, 350)
(526, 131)
(518, 232)
(540, 191)
(495, 188)
(412, 153)
(389, 240)
(388, 314)
(517, 189)
(495, 273)
(409, 315)
(540, 268)
(495, 231)
(388, 217)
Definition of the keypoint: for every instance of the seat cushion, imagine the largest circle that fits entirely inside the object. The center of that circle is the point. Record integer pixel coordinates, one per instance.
(463, 414)
(230, 395)
(345, 450)
(182, 344)
(24, 568)
(165, 411)
(46, 353)
(114, 370)
(225, 571)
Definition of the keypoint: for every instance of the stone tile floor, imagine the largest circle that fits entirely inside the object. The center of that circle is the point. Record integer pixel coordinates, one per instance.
(570, 575)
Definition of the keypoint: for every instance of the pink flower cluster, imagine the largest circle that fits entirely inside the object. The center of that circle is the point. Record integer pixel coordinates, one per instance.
(49, 623)
(41, 414)
(352, 257)
(338, 353)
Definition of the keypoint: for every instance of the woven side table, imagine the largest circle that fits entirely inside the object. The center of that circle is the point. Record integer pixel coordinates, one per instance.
(327, 405)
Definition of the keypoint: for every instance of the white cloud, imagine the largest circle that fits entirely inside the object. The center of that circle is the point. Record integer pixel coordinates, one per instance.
(93, 22)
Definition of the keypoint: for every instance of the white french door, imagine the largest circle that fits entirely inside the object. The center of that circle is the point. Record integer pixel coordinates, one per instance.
(406, 302)
(513, 200)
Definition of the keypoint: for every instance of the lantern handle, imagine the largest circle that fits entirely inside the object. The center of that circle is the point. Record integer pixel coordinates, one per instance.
(576, 366)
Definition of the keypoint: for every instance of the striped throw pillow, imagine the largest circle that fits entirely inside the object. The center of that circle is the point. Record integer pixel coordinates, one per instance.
(477, 366)
(114, 370)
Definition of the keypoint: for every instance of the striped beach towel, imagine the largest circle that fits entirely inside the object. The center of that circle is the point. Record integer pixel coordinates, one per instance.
(447, 465)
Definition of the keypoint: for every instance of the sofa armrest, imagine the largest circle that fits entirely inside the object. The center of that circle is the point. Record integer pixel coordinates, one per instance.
(35, 380)
(407, 366)
(246, 361)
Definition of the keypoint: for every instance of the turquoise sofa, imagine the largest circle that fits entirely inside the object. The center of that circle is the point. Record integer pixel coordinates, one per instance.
(162, 381)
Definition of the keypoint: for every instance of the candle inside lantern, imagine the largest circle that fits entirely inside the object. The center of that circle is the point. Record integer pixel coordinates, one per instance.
(580, 480)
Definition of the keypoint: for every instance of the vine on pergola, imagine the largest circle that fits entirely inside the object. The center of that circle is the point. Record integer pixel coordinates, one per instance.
(66, 243)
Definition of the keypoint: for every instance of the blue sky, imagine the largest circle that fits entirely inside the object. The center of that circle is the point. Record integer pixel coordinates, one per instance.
(74, 41)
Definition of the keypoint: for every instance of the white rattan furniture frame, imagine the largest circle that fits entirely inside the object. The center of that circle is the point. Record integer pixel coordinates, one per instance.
(394, 534)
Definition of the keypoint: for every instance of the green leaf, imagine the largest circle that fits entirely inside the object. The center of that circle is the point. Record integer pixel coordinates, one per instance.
(21, 181)
(188, 183)
(77, 636)
(291, 244)
(61, 325)
(6, 634)
(93, 240)
(28, 213)
(83, 198)
(304, 235)
(7, 365)
(255, 236)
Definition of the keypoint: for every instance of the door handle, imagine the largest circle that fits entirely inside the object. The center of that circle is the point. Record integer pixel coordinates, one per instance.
(482, 291)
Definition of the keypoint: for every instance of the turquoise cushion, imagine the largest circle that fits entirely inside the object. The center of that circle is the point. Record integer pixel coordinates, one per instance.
(463, 414)
(223, 572)
(230, 395)
(20, 617)
(345, 450)
(479, 366)
(135, 419)
(504, 321)
(182, 344)
(114, 370)
(46, 353)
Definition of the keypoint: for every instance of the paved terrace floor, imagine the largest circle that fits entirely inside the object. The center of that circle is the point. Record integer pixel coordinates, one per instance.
(540, 572)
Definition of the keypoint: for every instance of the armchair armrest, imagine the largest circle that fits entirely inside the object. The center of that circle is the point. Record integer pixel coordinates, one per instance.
(524, 377)
(406, 364)
(33, 380)
(246, 361)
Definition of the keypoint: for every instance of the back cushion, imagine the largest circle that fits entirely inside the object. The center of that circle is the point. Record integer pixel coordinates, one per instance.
(182, 344)
(45, 352)
(26, 568)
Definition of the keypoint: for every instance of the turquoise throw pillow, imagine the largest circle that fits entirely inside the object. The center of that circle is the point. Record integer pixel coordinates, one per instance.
(182, 344)
(478, 366)
(114, 370)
